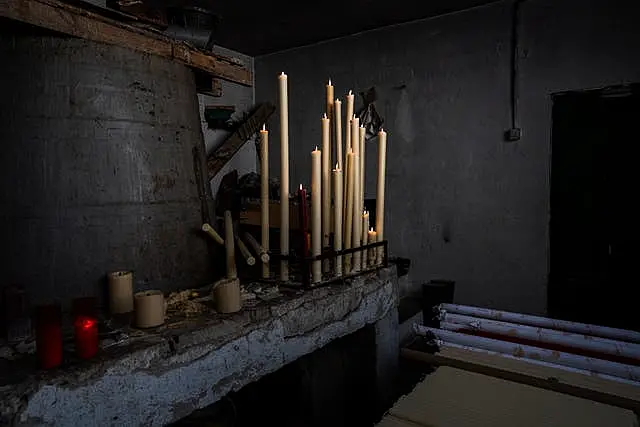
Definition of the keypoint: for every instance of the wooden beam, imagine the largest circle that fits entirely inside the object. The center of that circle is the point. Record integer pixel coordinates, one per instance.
(226, 150)
(587, 387)
(78, 22)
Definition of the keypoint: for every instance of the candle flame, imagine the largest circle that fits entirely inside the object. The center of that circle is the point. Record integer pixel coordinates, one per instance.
(371, 230)
(354, 117)
(329, 81)
(337, 101)
(300, 186)
(264, 127)
(337, 166)
(381, 130)
(316, 148)
(350, 93)
(324, 115)
(283, 74)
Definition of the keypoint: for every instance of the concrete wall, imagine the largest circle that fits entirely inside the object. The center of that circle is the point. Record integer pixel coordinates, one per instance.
(463, 204)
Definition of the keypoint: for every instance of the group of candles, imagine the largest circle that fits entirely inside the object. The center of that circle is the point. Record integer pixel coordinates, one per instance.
(345, 185)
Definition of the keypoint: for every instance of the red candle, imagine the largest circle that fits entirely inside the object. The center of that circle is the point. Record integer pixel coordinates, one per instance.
(49, 336)
(86, 332)
(304, 220)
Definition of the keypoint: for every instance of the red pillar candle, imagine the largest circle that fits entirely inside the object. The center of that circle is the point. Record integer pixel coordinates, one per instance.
(85, 323)
(304, 220)
(86, 333)
(49, 336)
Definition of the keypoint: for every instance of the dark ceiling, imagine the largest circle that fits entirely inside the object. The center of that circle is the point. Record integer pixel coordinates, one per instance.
(261, 27)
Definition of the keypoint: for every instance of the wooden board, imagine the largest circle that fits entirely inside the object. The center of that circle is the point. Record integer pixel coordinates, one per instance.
(78, 22)
(589, 387)
(456, 398)
(230, 146)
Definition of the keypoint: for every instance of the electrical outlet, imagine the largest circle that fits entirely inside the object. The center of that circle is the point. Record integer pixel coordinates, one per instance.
(513, 134)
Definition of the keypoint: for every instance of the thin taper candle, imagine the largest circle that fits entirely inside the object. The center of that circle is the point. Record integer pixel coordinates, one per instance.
(382, 170)
(316, 204)
(348, 217)
(284, 175)
(264, 195)
(326, 181)
(337, 217)
(356, 224)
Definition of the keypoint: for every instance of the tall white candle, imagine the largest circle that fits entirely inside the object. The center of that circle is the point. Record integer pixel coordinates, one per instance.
(329, 100)
(284, 175)
(348, 216)
(365, 237)
(326, 181)
(357, 221)
(316, 208)
(232, 273)
(363, 133)
(337, 216)
(337, 127)
(382, 168)
(264, 195)
(349, 116)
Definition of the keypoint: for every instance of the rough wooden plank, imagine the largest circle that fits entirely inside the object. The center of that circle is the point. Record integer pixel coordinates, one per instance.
(457, 398)
(78, 22)
(572, 383)
(238, 138)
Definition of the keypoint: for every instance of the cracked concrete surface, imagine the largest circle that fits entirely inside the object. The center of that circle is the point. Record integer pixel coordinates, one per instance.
(154, 385)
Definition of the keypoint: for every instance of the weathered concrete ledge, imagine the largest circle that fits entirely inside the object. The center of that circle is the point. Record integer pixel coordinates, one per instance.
(165, 378)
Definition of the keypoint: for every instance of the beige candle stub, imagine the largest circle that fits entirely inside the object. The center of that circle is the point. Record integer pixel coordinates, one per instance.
(120, 292)
(150, 309)
(372, 252)
(226, 296)
(232, 272)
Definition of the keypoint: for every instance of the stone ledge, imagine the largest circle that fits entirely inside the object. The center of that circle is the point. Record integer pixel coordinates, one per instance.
(163, 378)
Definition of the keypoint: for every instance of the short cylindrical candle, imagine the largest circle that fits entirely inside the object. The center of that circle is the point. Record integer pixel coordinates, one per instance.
(303, 217)
(337, 217)
(372, 238)
(86, 336)
(149, 308)
(316, 216)
(120, 292)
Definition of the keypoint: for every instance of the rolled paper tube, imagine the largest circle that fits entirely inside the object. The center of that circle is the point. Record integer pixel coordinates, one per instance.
(245, 252)
(213, 233)
(120, 292)
(226, 296)
(149, 308)
(258, 249)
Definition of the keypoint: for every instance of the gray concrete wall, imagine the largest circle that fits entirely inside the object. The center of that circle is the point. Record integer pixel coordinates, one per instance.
(461, 203)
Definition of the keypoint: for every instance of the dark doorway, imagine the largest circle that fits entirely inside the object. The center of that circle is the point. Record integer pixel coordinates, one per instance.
(594, 215)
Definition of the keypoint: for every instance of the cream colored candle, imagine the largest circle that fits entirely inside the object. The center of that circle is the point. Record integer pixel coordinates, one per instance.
(232, 273)
(245, 252)
(337, 127)
(264, 195)
(212, 233)
(363, 156)
(372, 237)
(382, 171)
(259, 250)
(284, 175)
(349, 117)
(337, 217)
(365, 237)
(357, 215)
(150, 309)
(120, 292)
(316, 216)
(329, 101)
(326, 180)
(348, 217)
